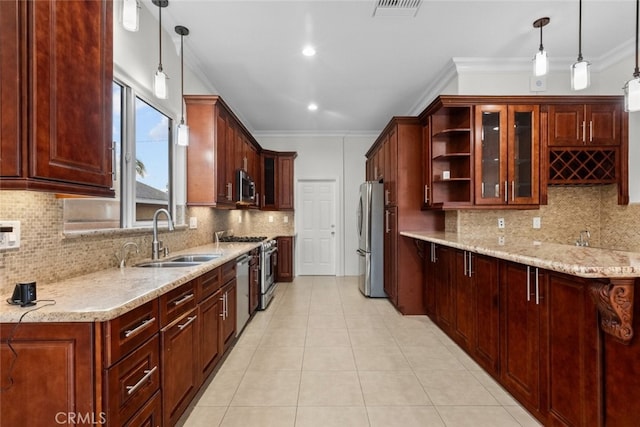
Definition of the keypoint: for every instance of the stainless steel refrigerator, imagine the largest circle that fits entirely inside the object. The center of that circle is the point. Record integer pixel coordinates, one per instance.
(371, 239)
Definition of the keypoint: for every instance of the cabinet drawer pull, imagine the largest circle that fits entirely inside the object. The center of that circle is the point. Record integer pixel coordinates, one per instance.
(141, 326)
(187, 323)
(147, 375)
(183, 299)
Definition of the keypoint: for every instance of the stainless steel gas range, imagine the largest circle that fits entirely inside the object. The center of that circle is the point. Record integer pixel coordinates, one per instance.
(268, 262)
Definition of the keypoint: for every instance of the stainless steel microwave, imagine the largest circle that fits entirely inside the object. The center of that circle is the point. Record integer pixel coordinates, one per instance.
(246, 187)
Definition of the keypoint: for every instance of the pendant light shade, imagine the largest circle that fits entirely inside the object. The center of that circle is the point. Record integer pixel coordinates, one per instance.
(130, 16)
(580, 70)
(540, 60)
(160, 78)
(632, 87)
(182, 134)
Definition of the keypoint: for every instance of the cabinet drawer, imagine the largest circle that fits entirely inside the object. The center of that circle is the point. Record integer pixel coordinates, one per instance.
(175, 303)
(125, 333)
(208, 283)
(228, 272)
(150, 415)
(132, 381)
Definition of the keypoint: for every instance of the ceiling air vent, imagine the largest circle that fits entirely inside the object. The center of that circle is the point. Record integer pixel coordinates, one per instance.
(396, 7)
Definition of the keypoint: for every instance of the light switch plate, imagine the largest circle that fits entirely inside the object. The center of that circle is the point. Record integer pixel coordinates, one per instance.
(193, 222)
(536, 222)
(9, 234)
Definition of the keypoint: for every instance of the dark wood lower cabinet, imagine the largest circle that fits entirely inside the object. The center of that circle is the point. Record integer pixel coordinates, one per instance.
(49, 379)
(536, 332)
(573, 338)
(486, 314)
(522, 352)
(180, 370)
(210, 350)
(150, 415)
(284, 268)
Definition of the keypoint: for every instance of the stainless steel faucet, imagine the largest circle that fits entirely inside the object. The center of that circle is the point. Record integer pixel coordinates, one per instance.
(583, 240)
(122, 257)
(156, 245)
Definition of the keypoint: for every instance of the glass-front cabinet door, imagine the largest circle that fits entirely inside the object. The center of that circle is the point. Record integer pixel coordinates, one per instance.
(506, 152)
(491, 154)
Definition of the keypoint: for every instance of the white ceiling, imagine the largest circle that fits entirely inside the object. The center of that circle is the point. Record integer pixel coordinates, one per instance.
(368, 69)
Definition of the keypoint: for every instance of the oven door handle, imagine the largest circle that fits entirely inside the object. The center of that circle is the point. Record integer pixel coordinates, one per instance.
(270, 251)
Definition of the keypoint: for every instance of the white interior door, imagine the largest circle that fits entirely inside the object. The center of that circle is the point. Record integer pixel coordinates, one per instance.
(317, 227)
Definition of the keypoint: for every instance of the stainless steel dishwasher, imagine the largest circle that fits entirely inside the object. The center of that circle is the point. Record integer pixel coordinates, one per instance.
(242, 292)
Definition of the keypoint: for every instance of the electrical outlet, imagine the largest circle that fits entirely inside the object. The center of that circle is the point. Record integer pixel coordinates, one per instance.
(501, 240)
(270, 218)
(193, 222)
(536, 222)
(500, 222)
(239, 219)
(285, 219)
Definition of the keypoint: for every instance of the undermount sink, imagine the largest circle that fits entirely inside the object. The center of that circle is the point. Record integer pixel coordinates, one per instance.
(189, 260)
(194, 258)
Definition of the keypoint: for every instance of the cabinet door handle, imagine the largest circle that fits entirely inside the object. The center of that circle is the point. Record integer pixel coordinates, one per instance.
(583, 132)
(590, 130)
(513, 191)
(386, 197)
(386, 221)
(469, 264)
(145, 323)
(426, 194)
(189, 321)
(114, 160)
(229, 191)
(147, 374)
(465, 262)
(482, 189)
(506, 191)
(183, 299)
(528, 283)
(258, 199)
(537, 289)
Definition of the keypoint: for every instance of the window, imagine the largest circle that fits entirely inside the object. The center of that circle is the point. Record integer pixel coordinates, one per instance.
(152, 147)
(143, 157)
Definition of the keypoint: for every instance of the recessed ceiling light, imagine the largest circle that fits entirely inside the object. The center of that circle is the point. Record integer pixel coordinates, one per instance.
(309, 51)
(312, 107)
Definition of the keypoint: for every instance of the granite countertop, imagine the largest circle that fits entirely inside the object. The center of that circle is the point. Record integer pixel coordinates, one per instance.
(588, 262)
(106, 294)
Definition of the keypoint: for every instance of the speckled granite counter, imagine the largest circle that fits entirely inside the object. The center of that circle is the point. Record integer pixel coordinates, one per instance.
(107, 294)
(585, 262)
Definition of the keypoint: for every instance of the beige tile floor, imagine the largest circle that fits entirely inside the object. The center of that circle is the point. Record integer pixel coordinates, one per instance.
(324, 355)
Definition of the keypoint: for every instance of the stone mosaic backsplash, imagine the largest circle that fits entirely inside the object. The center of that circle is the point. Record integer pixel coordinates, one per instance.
(48, 254)
(569, 210)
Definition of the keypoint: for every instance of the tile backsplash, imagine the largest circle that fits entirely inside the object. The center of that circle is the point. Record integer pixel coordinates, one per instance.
(48, 254)
(569, 210)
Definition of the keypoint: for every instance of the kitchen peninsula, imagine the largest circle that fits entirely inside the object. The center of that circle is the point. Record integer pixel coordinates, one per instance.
(553, 323)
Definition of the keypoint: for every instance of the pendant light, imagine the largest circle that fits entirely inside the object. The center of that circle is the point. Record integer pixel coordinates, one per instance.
(160, 78)
(540, 61)
(632, 87)
(130, 16)
(580, 70)
(182, 137)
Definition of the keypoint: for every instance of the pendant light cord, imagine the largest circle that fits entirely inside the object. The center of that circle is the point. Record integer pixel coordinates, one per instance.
(182, 77)
(636, 71)
(160, 36)
(580, 32)
(541, 47)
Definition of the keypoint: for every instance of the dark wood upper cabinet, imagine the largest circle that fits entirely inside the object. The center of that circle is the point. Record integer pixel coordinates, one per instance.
(277, 180)
(57, 72)
(585, 124)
